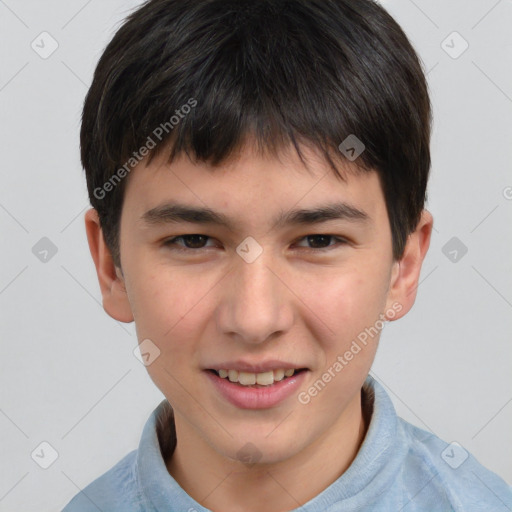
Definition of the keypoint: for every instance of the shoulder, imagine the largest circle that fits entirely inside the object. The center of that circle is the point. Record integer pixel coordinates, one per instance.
(116, 490)
(451, 473)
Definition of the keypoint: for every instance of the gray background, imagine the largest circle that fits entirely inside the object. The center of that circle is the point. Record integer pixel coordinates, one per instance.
(68, 375)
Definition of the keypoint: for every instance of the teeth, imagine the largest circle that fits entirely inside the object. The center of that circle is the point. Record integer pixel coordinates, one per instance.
(263, 378)
(246, 378)
(278, 375)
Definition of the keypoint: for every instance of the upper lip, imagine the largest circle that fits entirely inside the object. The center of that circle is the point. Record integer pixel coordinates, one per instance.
(263, 366)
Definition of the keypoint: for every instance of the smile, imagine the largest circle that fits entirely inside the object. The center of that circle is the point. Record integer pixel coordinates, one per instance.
(245, 391)
(256, 379)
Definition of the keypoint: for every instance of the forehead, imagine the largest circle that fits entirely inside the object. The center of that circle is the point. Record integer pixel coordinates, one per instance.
(258, 187)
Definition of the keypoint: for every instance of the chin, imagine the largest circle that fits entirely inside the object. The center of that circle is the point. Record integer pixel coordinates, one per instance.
(254, 450)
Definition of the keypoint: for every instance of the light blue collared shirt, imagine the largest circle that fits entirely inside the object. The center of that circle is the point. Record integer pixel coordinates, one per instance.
(399, 467)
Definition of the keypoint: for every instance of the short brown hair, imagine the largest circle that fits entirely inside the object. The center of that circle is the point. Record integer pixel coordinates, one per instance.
(287, 71)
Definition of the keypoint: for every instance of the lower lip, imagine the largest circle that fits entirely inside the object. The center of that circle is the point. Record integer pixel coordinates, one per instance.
(257, 398)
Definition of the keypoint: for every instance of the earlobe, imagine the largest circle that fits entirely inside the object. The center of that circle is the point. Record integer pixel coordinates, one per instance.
(110, 277)
(406, 272)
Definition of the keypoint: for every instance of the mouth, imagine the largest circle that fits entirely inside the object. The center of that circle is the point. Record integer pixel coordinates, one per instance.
(263, 390)
(257, 380)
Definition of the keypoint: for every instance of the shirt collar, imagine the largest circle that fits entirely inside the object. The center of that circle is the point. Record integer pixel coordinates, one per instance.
(376, 464)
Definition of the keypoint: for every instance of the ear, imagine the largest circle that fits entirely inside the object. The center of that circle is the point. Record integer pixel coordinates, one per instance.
(110, 277)
(406, 272)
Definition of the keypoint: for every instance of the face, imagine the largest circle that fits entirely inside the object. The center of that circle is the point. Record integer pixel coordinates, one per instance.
(259, 288)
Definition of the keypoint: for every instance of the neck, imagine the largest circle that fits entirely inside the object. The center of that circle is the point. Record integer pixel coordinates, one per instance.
(222, 484)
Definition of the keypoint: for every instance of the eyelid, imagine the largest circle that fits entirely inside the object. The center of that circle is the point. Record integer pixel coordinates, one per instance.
(172, 242)
(339, 239)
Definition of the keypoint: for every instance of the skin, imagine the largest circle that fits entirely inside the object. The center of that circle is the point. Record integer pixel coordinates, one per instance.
(294, 302)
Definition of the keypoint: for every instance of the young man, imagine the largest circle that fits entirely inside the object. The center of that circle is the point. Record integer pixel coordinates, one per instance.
(257, 171)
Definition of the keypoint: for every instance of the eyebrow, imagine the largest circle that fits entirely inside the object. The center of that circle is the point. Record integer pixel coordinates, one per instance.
(176, 212)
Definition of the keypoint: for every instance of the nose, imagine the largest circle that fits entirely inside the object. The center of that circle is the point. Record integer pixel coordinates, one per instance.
(255, 302)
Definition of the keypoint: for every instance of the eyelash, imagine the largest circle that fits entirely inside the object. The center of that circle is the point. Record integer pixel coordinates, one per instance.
(172, 242)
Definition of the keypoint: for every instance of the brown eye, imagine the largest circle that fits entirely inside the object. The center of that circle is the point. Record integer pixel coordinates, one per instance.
(190, 242)
(322, 242)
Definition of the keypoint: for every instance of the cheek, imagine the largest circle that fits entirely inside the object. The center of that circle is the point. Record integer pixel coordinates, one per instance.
(169, 312)
(161, 299)
(171, 308)
(346, 303)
